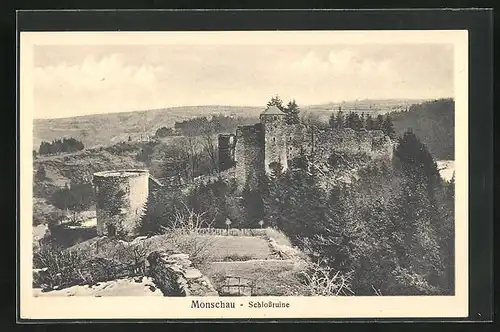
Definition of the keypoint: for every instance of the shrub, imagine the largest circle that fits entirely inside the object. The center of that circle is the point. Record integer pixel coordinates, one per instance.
(121, 148)
(236, 258)
(322, 280)
(183, 235)
(134, 255)
(66, 268)
(62, 267)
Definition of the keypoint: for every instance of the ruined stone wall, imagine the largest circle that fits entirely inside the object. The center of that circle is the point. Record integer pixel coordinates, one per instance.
(249, 155)
(272, 140)
(226, 146)
(121, 199)
(322, 142)
(175, 276)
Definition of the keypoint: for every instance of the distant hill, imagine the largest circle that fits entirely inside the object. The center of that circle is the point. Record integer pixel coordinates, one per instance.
(434, 123)
(106, 129)
(373, 107)
(111, 128)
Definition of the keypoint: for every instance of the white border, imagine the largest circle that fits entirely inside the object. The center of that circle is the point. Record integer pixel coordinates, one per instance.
(300, 307)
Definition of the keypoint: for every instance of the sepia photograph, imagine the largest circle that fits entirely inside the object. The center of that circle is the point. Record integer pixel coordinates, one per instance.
(241, 170)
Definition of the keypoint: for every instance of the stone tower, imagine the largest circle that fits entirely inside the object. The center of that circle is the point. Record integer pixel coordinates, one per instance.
(249, 155)
(121, 200)
(273, 122)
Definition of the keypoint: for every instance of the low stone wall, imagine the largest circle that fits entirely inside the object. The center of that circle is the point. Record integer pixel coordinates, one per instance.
(174, 275)
(284, 252)
(233, 231)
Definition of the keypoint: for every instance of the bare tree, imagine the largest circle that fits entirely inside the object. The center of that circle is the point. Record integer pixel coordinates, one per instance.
(210, 148)
(323, 281)
(184, 234)
(191, 151)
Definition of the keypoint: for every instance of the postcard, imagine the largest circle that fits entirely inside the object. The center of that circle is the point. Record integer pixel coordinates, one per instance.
(244, 174)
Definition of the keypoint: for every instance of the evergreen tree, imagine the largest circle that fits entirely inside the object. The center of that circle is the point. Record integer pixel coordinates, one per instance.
(58, 146)
(416, 241)
(276, 101)
(349, 120)
(336, 236)
(300, 199)
(445, 228)
(253, 207)
(376, 258)
(362, 119)
(388, 127)
(353, 121)
(416, 161)
(292, 113)
(340, 121)
(378, 123)
(370, 125)
(418, 214)
(332, 121)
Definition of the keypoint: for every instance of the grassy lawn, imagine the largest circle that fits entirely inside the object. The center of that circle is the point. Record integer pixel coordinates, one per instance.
(250, 247)
(272, 277)
(220, 247)
(216, 247)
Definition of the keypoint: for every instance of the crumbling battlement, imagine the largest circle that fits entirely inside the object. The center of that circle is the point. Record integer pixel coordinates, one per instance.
(322, 142)
(272, 141)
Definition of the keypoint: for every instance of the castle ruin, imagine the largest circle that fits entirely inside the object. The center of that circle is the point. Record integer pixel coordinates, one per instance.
(257, 149)
(121, 198)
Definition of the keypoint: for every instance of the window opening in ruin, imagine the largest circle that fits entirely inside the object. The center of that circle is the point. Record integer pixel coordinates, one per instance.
(111, 230)
(275, 117)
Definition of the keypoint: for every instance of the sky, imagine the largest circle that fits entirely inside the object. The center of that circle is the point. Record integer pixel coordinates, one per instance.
(73, 80)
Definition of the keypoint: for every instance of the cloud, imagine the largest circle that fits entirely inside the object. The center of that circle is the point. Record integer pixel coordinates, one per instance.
(109, 82)
(343, 62)
(73, 80)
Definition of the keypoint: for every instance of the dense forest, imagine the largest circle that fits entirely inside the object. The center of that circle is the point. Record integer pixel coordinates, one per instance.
(433, 122)
(363, 121)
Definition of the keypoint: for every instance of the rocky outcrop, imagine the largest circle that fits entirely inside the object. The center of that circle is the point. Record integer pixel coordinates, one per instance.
(175, 276)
